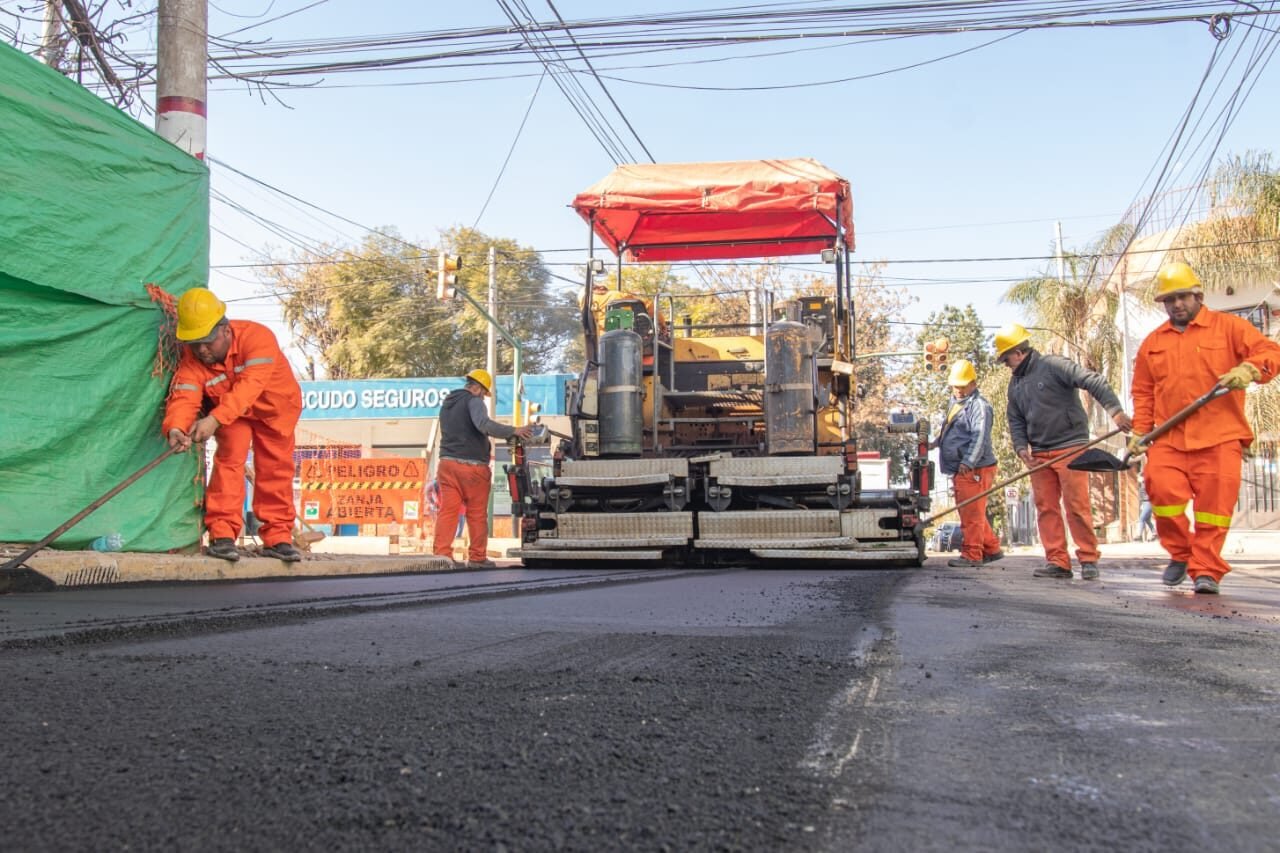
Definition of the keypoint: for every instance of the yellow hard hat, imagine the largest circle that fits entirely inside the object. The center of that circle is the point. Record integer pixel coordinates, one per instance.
(482, 378)
(198, 312)
(1176, 277)
(1008, 337)
(962, 373)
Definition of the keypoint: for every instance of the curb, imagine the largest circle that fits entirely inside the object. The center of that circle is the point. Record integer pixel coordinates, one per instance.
(91, 568)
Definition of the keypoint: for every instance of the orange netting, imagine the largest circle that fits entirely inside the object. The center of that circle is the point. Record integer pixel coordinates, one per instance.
(167, 347)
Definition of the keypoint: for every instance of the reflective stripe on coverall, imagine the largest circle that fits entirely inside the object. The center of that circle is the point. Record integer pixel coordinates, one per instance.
(1211, 478)
(254, 396)
(1198, 460)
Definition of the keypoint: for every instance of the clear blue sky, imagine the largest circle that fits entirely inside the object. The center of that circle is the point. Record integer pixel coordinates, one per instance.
(974, 156)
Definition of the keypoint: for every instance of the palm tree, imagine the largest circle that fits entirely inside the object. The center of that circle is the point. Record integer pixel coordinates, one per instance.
(1076, 309)
(1238, 243)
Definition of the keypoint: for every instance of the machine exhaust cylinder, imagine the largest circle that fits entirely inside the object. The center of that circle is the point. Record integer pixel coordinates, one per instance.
(620, 394)
(789, 389)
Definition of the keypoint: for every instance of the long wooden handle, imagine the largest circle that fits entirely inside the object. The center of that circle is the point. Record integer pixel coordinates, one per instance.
(1074, 451)
(1185, 412)
(75, 519)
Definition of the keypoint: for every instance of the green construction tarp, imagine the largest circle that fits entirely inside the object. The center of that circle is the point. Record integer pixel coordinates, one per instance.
(93, 206)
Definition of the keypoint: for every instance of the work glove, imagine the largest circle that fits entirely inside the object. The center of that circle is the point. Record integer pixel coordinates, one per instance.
(1239, 377)
(1134, 447)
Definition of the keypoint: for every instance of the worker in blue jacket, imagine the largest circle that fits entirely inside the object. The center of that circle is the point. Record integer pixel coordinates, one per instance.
(965, 453)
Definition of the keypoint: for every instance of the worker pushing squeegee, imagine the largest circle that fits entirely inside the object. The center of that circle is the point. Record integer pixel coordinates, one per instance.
(236, 370)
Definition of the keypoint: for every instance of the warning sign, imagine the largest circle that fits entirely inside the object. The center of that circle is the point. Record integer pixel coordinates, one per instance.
(362, 491)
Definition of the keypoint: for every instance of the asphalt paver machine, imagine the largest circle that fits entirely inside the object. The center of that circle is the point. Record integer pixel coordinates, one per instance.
(719, 443)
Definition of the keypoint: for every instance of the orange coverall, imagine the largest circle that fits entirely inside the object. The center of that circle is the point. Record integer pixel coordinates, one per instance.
(256, 399)
(1198, 461)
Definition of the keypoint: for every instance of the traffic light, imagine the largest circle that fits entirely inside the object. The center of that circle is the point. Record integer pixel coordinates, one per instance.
(935, 354)
(447, 267)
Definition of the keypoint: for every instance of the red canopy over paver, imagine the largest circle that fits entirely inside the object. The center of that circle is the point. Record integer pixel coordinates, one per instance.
(733, 209)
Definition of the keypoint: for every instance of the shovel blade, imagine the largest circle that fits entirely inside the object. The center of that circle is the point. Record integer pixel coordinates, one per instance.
(1094, 459)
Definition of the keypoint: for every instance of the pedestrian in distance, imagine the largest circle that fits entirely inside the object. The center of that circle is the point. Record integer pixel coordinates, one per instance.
(1146, 526)
(1046, 420)
(234, 382)
(1197, 463)
(965, 452)
(463, 470)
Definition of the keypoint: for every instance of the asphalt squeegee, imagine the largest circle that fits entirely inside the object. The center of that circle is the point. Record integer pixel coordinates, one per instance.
(16, 577)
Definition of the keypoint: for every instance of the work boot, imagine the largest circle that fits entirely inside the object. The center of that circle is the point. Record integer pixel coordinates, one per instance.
(1206, 584)
(1051, 570)
(1174, 573)
(481, 564)
(1088, 571)
(223, 549)
(282, 551)
(963, 563)
(991, 558)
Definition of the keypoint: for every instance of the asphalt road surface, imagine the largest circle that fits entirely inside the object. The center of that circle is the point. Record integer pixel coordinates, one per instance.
(933, 709)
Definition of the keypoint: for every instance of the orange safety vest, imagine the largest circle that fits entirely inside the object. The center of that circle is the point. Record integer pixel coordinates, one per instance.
(254, 381)
(1174, 368)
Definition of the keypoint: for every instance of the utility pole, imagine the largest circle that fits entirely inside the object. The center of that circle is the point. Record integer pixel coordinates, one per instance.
(1062, 261)
(51, 37)
(491, 345)
(182, 57)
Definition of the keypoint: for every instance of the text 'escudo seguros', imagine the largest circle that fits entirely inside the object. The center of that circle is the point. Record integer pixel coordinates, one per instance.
(375, 398)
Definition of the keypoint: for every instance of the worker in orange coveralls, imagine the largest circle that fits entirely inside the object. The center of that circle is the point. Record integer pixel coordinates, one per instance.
(965, 452)
(1198, 461)
(463, 470)
(234, 382)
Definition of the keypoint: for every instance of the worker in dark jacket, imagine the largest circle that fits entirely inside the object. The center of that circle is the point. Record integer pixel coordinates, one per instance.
(1046, 418)
(965, 452)
(462, 470)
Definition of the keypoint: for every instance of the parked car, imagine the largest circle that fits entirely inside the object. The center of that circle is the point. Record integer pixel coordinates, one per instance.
(948, 537)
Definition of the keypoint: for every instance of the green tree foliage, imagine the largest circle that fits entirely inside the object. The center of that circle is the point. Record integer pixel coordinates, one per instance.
(542, 318)
(967, 338)
(928, 390)
(371, 310)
